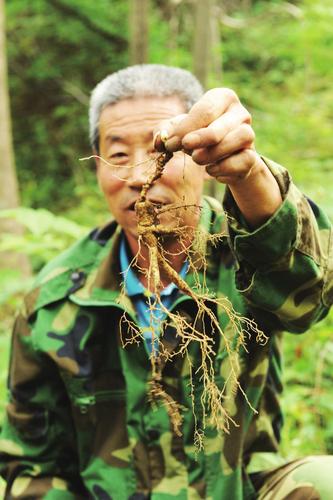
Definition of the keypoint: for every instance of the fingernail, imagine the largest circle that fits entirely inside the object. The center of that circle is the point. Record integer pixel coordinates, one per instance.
(192, 141)
(164, 134)
(160, 139)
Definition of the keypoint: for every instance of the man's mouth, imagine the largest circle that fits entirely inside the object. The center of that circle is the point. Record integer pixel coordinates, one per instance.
(158, 204)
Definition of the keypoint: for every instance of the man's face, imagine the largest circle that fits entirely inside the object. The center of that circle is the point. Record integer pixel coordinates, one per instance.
(126, 141)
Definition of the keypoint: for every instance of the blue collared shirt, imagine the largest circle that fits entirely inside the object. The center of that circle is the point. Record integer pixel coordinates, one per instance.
(149, 312)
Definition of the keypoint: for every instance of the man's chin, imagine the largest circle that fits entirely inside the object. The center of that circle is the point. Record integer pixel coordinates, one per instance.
(170, 226)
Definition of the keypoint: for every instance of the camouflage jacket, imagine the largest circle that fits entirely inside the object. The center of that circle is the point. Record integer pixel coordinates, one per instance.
(79, 424)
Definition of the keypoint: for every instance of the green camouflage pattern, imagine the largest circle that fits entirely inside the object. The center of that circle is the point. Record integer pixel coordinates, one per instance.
(307, 478)
(79, 423)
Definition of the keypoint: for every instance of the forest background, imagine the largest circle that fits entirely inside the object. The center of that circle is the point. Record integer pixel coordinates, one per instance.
(277, 56)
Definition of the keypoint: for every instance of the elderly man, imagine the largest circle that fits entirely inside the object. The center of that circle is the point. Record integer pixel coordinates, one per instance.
(79, 420)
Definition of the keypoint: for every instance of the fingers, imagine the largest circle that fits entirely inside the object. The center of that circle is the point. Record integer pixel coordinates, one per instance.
(216, 131)
(211, 106)
(164, 131)
(204, 113)
(234, 168)
(237, 139)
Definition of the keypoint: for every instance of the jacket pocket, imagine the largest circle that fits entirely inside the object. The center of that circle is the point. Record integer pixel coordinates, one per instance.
(98, 406)
(85, 401)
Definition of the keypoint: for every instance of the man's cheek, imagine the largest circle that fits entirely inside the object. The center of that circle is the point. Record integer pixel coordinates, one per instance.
(111, 186)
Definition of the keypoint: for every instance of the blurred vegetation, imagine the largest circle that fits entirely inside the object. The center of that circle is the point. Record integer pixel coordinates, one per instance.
(276, 55)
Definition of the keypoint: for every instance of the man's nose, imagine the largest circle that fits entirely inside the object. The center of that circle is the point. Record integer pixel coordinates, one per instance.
(141, 168)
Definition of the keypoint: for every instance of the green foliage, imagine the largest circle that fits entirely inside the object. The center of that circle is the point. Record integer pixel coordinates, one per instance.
(54, 61)
(45, 237)
(279, 64)
(171, 35)
(307, 401)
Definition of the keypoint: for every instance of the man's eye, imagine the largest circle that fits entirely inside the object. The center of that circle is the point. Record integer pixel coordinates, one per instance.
(119, 157)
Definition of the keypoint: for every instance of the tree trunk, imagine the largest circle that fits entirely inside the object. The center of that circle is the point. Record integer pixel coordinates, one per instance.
(9, 196)
(202, 40)
(138, 24)
(216, 49)
(204, 54)
(8, 184)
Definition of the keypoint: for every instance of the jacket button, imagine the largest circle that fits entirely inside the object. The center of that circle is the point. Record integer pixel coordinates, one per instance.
(78, 279)
(76, 276)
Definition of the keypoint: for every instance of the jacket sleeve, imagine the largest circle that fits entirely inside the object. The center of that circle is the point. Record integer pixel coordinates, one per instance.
(37, 455)
(285, 267)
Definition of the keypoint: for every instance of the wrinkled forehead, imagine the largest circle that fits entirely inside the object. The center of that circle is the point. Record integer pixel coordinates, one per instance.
(139, 113)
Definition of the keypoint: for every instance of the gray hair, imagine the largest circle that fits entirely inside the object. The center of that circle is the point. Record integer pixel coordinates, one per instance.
(137, 81)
